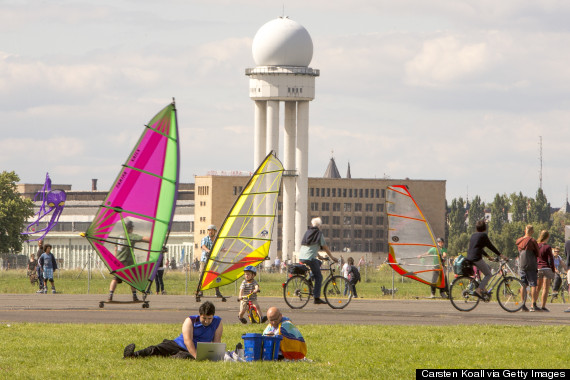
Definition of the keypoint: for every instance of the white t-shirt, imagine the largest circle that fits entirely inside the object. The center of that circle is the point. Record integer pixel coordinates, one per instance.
(345, 269)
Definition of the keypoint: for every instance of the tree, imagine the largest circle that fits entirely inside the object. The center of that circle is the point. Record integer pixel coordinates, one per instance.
(14, 210)
(457, 218)
(476, 212)
(499, 213)
(540, 208)
(519, 204)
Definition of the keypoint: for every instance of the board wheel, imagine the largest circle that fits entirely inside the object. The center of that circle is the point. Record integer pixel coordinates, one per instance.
(101, 305)
(224, 299)
(145, 305)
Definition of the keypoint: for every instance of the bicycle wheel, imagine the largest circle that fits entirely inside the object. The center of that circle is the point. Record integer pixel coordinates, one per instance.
(461, 293)
(338, 292)
(509, 294)
(297, 292)
(254, 315)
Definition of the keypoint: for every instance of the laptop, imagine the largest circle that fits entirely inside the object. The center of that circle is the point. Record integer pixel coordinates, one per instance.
(210, 351)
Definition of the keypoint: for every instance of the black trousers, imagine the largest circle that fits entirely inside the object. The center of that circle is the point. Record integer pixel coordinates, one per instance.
(166, 348)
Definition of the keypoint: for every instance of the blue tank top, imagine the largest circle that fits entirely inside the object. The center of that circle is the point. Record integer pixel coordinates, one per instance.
(201, 333)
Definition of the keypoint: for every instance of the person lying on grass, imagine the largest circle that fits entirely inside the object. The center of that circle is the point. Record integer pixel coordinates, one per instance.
(293, 346)
(205, 327)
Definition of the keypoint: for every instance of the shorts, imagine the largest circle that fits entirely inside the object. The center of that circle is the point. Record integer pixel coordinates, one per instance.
(48, 274)
(529, 277)
(545, 272)
(119, 280)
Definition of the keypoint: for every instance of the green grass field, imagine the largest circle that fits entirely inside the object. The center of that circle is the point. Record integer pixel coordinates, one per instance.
(354, 351)
(339, 351)
(179, 283)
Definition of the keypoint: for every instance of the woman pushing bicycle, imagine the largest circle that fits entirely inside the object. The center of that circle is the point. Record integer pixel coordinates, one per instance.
(480, 240)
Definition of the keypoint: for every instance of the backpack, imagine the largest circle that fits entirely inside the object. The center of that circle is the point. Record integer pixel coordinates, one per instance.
(353, 274)
(462, 266)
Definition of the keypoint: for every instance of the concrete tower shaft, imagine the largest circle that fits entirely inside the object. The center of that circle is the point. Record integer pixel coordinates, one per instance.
(282, 50)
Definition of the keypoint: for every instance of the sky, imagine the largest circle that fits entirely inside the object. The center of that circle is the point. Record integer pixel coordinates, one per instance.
(461, 91)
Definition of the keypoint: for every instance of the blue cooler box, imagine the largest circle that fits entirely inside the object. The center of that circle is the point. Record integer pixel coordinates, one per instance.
(252, 344)
(271, 347)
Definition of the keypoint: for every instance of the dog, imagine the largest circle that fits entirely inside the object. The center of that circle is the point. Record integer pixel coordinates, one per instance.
(388, 292)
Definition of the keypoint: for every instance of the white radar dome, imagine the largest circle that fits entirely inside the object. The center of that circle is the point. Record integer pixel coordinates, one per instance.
(282, 42)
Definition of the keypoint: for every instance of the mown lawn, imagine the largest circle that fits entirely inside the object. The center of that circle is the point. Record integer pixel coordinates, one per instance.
(34, 351)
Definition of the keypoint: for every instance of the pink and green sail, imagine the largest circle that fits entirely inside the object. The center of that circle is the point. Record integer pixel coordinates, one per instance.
(130, 229)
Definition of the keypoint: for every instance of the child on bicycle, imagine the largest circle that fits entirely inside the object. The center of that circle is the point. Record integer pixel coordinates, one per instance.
(249, 287)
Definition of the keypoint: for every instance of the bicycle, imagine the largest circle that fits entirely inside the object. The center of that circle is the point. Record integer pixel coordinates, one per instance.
(464, 298)
(252, 311)
(562, 291)
(298, 289)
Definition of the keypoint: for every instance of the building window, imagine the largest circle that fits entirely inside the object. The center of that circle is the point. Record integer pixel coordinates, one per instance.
(380, 233)
(344, 193)
(325, 219)
(346, 234)
(368, 220)
(312, 192)
(380, 220)
(357, 207)
(325, 233)
(336, 206)
(380, 207)
(328, 191)
(369, 207)
(346, 220)
(358, 220)
(368, 234)
(350, 193)
(366, 193)
(318, 192)
(360, 193)
(325, 206)
(336, 220)
(347, 207)
(335, 233)
(357, 234)
(314, 206)
(334, 192)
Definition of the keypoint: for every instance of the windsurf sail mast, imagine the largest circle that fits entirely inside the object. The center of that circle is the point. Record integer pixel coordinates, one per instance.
(130, 230)
(413, 251)
(245, 235)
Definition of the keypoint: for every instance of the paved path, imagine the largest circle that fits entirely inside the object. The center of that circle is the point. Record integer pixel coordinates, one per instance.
(77, 308)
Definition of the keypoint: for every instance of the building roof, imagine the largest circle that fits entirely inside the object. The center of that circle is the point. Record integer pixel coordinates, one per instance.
(332, 170)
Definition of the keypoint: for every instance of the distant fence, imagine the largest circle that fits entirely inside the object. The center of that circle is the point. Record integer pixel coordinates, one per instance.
(77, 256)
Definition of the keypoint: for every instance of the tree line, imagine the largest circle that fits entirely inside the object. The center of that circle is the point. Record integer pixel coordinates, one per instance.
(502, 229)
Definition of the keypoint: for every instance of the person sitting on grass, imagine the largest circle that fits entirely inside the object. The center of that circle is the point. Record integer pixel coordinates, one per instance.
(206, 327)
(249, 286)
(292, 346)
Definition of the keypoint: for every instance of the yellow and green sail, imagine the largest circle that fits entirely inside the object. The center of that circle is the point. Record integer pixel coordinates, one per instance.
(246, 233)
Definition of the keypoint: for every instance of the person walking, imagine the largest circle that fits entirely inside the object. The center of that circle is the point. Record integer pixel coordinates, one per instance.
(528, 253)
(546, 268)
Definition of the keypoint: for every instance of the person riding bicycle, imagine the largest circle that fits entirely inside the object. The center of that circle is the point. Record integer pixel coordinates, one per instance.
(312, 243)
(480, 240)
(249, 287)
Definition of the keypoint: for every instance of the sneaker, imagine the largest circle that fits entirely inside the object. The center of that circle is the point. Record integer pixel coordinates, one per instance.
(163, 292)
(536, 308)
(524, 308)
(135, 298)
(53, 291)
(44, 291)
(544, 309)
(40, 291)
(242, 320)
(444, 295)
(110, 298)
(432, 296)
(264, 319)
(567, 310)
(129, 351)
(531, 309)
(219, 295)
(319, 301)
